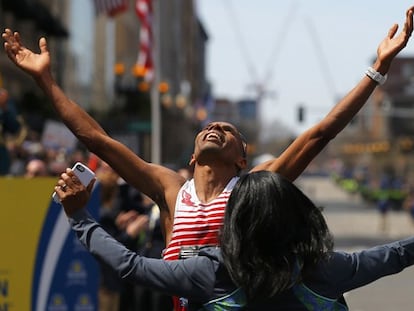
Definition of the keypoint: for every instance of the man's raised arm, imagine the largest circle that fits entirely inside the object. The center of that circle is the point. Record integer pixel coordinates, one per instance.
(148, 178)
(293, 161)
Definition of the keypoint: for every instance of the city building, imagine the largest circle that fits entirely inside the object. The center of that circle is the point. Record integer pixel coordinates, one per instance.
(94, 60)
(380, 139)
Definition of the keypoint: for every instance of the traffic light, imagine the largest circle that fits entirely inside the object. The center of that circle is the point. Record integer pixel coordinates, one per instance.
(301, 114)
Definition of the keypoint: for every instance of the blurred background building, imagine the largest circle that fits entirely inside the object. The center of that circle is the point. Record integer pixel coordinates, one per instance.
(97, 48)
(122, 63)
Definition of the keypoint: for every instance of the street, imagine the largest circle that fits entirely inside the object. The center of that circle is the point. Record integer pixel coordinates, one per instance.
(356, 225)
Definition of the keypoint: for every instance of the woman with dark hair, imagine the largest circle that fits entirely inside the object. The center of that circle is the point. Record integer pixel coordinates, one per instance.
(273, 238)
(276, 252)
(270, 228)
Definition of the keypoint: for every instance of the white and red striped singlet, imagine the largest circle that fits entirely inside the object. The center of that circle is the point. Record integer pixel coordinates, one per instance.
(196, 223)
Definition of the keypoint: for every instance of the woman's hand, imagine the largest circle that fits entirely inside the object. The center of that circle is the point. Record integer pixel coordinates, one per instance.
(72, 194)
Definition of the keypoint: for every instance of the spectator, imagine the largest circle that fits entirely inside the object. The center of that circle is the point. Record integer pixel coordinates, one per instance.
(114, 293)
(36, 168)
(152, 244)
(9, 125)
(186, 172)
(110, 284)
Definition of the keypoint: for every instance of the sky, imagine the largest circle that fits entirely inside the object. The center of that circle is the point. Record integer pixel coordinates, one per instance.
(308, 53)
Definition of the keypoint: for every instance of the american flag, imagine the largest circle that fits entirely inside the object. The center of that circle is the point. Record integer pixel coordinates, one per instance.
(143, 9)
(110, 7)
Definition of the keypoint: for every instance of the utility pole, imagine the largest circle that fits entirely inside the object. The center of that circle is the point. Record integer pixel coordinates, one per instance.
(155, 97)
(301, 113)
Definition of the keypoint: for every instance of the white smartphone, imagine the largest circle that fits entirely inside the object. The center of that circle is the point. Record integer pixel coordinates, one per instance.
(84, 173)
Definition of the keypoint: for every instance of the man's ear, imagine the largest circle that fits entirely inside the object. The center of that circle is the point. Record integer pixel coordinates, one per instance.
(241, 163)
(192, 160)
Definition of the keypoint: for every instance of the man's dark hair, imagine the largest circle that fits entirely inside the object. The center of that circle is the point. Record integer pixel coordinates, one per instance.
(271, 227)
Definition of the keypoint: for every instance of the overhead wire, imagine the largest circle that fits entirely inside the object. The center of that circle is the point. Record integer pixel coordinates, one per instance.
(260, 85)
(324, 66)
(240, 39)
(280, 40)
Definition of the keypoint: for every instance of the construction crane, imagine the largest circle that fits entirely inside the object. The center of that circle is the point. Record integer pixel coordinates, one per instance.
(259, 85)
(324, 68)
(323, 62)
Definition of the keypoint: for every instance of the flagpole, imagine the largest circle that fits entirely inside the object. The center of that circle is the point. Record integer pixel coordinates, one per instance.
(155, 100)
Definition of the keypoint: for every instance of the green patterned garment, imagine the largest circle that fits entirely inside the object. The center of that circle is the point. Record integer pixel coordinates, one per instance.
(232, 302)
(314, 302)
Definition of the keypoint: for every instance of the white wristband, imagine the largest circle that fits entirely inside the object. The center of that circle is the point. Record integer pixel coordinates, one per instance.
(376, 76)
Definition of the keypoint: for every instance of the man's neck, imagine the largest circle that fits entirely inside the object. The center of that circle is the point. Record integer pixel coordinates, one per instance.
(210, 181)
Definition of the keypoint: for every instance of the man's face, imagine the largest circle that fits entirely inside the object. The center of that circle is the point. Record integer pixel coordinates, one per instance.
(219, 139)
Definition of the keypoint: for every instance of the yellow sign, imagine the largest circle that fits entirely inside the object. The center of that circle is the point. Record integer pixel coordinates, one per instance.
(36, 241)
(24, 204)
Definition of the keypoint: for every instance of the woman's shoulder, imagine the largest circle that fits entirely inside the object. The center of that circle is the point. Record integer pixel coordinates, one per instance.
(212, 252)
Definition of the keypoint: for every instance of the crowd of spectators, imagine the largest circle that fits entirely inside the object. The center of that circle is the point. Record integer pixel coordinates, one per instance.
(32, 158)
(25, 152)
